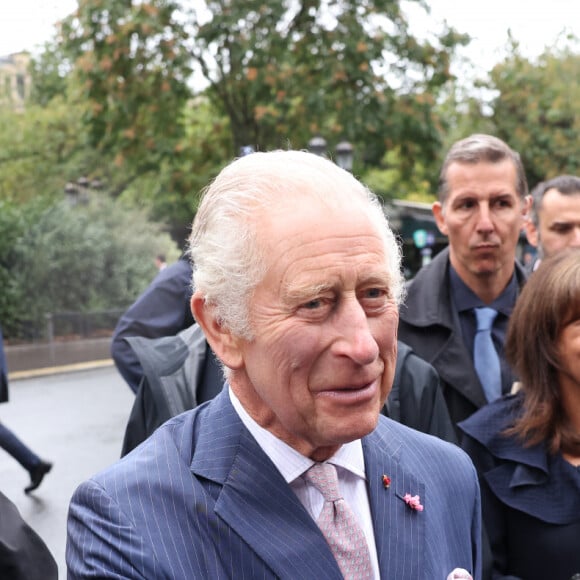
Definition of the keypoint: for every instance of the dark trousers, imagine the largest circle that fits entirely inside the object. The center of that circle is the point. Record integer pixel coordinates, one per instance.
(11, 444)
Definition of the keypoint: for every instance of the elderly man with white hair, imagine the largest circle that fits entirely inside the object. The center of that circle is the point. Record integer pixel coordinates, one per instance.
(291, 471)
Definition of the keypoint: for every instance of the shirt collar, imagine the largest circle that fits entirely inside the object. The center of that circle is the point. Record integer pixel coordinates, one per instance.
(289, 462)
(466, 299)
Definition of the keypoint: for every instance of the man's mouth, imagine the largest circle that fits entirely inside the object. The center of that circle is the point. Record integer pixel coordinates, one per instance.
(351, 393)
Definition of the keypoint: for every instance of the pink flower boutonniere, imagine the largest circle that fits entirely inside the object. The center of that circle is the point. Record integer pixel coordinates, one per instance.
(413, 501)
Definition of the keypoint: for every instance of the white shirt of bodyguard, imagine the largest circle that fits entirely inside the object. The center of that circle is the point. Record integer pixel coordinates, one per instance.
(348, 460)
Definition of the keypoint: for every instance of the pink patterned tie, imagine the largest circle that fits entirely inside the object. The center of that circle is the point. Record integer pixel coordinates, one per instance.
(339, 526)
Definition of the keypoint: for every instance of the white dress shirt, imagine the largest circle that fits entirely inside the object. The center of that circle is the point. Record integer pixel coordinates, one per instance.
(349, 463)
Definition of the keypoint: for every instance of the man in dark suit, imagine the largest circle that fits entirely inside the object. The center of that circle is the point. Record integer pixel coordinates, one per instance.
(483, 201)
(297, 283)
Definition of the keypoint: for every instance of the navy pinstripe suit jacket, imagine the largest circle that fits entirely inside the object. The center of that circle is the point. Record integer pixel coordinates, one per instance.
(200, 499)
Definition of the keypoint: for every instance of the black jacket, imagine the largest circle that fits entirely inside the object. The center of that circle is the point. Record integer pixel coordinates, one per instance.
(429, 324)
(181, 372)
(23, 555)
(162, 310)
(530, 499)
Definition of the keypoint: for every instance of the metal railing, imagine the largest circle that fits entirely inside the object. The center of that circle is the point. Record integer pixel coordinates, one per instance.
(61, 326)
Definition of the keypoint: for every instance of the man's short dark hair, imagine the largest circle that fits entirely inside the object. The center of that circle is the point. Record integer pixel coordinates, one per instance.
(564, 184)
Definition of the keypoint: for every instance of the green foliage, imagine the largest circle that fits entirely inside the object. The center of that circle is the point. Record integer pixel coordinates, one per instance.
(84, 258)
(537, 110)
(14, 223)
(279, 72)
(388, 182)
(532, 104)
(41, 150)
(132, 66)
(462, 113)
(49, 73)
(283, 71)
(172, 193)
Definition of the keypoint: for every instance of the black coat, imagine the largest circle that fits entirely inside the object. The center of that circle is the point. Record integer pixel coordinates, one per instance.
(23, 555)
(530, 499)
(162, 310)
(181, 372)
(430, 326)
(416, 399)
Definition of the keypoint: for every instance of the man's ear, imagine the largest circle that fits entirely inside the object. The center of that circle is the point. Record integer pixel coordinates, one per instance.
(226, 346)
(531, 232)
(437, 210)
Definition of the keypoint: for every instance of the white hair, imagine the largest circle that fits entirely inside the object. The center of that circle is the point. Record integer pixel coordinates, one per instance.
(229, 259)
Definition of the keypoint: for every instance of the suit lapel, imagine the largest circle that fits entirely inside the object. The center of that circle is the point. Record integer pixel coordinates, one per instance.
(256, 502)
(399, 530)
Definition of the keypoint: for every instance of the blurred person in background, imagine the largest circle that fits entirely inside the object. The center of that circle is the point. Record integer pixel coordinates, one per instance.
(161, 310)
(554, 221)
(160, 262)
(36, 467)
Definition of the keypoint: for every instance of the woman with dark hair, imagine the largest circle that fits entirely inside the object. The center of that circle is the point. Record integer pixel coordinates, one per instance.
(526, 447)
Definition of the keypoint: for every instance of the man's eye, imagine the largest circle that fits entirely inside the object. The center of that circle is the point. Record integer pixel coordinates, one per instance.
(562, 228)
(504, 202)
(313, 304)
(466, 204)
(374, 292)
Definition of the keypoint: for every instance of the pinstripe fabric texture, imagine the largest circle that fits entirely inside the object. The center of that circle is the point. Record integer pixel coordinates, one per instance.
(200, 499)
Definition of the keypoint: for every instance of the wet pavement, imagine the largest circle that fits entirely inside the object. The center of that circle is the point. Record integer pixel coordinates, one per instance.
(75, 420)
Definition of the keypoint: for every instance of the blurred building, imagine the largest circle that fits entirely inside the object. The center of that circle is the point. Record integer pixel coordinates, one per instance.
(15, 80)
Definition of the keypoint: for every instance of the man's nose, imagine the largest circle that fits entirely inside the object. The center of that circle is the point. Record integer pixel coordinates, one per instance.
(356, 340)
(484, 218)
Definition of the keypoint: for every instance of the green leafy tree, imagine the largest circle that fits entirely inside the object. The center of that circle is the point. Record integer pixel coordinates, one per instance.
(14, 223)
(172, 194)
(49, 72)
(537, 110)
(279, 71)
(83, 258)
(132, 68)
(41, 150)
(388, 183)
(282, 71)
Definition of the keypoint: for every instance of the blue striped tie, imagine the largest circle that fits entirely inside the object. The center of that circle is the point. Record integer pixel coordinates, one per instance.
(485, 357)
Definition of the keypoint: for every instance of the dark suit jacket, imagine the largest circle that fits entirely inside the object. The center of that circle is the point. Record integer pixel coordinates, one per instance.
(23, 555)
(200, 499)
(430, 326)
(416, 399)
(530, 499)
